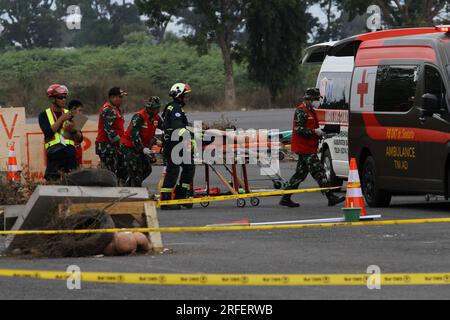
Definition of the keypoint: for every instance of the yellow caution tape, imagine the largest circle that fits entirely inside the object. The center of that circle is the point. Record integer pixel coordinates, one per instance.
(243, 196)
(234, 228)
(239, 279)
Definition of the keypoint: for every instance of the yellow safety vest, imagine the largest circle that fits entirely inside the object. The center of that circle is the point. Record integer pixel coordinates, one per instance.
(58, 137)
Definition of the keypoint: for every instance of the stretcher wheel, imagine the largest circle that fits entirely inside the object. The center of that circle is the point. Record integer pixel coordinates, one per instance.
(255, 202)
(205, 204)
(241, 203)
(277, 185)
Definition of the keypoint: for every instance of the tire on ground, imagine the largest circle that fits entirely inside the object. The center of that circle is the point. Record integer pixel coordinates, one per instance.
(92, 178)
(373, 194)
(333, 180)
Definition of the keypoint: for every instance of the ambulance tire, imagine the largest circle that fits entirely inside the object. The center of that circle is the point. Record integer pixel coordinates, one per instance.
(374, 196)
(327, 162)
(92, 178)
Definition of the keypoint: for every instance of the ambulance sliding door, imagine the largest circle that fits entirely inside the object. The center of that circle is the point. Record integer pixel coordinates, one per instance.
(397, 113)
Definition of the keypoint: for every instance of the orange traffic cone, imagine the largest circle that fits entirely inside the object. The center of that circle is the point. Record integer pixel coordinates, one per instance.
(13, 169)
(355, 197)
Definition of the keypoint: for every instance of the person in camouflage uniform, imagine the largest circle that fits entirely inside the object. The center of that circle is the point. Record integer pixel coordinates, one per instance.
(138, 140)
(305, 143)
(110, 131)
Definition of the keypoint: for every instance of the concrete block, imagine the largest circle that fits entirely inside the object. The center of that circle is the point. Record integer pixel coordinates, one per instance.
(45, 200)
(11, 215)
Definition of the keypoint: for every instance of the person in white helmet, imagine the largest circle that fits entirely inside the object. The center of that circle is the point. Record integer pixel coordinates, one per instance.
(175, 124)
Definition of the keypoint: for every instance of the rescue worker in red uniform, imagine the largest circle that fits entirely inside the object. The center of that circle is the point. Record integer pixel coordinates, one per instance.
(59, 134)
(110, 131)
(138, 141)
(305, 142)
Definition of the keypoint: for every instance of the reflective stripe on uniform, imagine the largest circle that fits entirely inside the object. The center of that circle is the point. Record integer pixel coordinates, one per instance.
(57, 138)
(166, 190)
(170, 108)
(186, 186)
(182, 132)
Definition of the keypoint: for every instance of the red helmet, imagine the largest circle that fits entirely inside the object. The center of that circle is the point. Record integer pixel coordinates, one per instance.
(57, 90)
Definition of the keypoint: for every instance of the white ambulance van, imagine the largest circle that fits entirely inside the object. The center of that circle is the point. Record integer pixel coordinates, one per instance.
(387, 92)
(334, 81)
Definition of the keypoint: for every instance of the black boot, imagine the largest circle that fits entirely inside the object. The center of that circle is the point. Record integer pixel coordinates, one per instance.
(286, 201)
(181, 194)
(166, 196)
(333, 199)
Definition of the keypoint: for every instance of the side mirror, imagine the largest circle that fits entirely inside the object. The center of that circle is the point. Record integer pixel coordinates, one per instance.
(430, 104)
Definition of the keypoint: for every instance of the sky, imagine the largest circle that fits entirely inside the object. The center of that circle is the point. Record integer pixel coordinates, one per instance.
(315, 11)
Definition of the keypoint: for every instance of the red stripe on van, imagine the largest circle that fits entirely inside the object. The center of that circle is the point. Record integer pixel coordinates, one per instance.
(395, 33)
(376, 131)
(332, 116)
(370, 55)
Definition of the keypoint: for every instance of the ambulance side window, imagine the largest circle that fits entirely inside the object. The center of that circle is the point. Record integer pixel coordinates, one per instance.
(335, 88)
(434, 84)
(396, 88)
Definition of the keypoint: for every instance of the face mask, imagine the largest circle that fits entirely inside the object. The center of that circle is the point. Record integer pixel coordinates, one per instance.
(316, 104)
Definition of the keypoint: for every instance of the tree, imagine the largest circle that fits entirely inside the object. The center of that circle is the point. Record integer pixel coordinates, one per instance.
(209, 21)
(277, 31)
(332, 30)
(29, 23)
(160, 13)
(104, 23)
(404, 13)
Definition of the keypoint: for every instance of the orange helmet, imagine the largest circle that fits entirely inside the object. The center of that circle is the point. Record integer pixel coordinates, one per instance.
(57, 90)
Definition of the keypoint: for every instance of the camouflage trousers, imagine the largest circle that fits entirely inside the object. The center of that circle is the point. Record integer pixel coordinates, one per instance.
(111, 158)
(137, 167)
(308, 164)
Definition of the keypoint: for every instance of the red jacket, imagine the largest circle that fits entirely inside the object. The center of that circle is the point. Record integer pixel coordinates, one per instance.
(147, 133)
(306, 145)
(118, 126)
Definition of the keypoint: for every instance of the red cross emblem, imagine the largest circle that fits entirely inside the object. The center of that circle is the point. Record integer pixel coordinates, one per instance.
(363, 88)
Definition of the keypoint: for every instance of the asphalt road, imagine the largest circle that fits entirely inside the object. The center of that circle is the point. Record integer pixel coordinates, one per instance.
(256, 119)
(395, 249)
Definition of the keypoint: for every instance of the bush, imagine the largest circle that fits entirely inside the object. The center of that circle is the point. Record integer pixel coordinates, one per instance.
(142, 68)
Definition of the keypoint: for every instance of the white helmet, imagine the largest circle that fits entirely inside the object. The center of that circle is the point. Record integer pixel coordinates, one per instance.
(179, 89)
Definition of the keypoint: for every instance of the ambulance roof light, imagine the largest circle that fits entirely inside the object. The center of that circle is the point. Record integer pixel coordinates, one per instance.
(444, 28)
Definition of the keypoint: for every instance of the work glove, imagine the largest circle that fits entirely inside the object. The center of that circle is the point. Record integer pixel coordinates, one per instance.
(320, 133)
(147, 152)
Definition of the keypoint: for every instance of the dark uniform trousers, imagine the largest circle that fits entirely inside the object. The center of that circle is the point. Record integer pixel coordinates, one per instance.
(173, 173)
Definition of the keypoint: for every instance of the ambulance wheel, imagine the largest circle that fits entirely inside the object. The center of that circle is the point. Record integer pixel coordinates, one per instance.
(255, 202)
(327, 162)
(375, 197)
(241, 203)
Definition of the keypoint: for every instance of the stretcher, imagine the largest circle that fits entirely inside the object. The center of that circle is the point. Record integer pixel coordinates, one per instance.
(238, 183)
(236, 168)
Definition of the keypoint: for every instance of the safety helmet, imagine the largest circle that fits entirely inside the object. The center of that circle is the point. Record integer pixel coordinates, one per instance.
(179, 89)
(153, 103)
(312, 94)
(57, 90)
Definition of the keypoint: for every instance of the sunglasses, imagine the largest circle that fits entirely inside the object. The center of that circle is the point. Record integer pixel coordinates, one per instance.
(61, 97)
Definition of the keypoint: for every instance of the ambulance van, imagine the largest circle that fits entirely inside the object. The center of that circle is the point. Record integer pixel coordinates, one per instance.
(398, 110)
